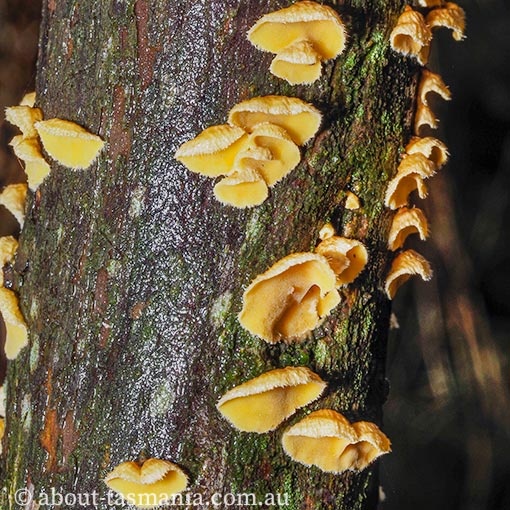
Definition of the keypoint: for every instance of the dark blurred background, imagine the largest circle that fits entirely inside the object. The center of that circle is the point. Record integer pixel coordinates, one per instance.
(448, 413)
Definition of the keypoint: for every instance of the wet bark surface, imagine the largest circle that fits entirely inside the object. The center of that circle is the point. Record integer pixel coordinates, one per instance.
(131, 274)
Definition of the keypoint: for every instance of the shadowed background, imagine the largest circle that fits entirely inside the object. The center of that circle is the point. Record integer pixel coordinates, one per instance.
(448, 412)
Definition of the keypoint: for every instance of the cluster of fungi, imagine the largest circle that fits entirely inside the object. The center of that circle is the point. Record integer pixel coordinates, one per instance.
(253, 152)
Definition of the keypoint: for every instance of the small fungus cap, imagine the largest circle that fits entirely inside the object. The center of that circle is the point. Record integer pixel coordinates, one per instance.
(432, 83)
(290, 299)
(148, 485)
(406, 222)
(405, 265)
(327, 231)
(298, 64)
(36, 167)
(13, 198)
(411, 36)
(449, 16)
(274, 141)
(8, 247)
(261, 404)
(16, 329)
(241, 189)
(352, 202)
(28, 99)
(24, 118)
(413, 169)
(327, 440)
(68, 143)
(347, 257)
(432, 148)
(301, 120)
(318, 24)
(213, 151)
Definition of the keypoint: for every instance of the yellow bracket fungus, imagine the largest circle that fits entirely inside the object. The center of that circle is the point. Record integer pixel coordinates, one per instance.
(431, 148)
(301, 36)
(36, 167)
(406, 222)
(347, 257)
(301, 120)
(243, 188)
(148, 485)
(327, 440)
(68, 143)
(405, 265)
(410, 174)
(429, 83)
(290, 299)
(24, 117)
(13, 198)
(281, 154)
(450, 16)
(352, 201)
(327, 231)
(213, 151)
(261, 404)
(16, 329)
(8, 247)
(412, 36)
(28, 100)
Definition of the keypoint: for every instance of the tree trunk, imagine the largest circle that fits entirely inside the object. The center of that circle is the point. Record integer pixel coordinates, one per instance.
(131, 275)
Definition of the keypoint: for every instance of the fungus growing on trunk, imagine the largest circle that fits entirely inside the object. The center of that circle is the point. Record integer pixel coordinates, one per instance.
(405, 265)
(290, 299)
(13, 198)
(406, 222)
(411, 36)
(301, 120)
(36, 167)
(429, 83)
(242, 188)
(327, 440)
(432, 148)
(327, 231)
(68, 143)
(28, 100)
(451, 16)
(8, 247)
(347, 257)
(24, 118)
(352, 201)
(16, 336)
(213, 151)
(148, 485)
(261, 404)
(411, 172)
(302, 36)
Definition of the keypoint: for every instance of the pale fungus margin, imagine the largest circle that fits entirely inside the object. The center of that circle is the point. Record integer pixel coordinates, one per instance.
(290, 299)
(69, 143)
(406, 222)
(8, 248)
(432, 148)
(147, 485)
(327, 440)
(451, 16)
(261, 404)
(411, 36)
(36, 167)
(24, 118)
(352, 202)
(302, 36)
(13, 198)
(243, 188)
(406, 264)
(16, 329)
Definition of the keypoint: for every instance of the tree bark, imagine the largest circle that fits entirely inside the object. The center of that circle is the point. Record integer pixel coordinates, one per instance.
(131, 275)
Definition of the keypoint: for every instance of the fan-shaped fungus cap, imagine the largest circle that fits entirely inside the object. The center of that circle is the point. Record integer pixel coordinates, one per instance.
(406, 222)
(352, 201)
(431, 148)
(284, 153)
(24, 117)
(410, 174)
(347, 257)
(327, 440)
(213, 151)
(261, 404)
(242, 188)
(28, 100)
(449, 16)
(16, 330)
(148, 485)
(68, 143)
(298, 63)
(301, 120)
(432, 83)
(13, 198)
(412, 36)
(36, 167)
(405, 265)
(327, 231)
(8, 247)
(289, 299)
